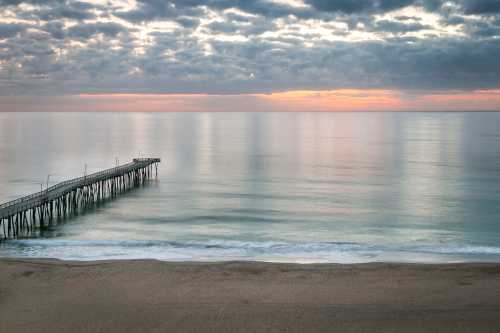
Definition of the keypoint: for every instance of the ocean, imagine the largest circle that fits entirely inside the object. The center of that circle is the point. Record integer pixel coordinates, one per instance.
(282, 187)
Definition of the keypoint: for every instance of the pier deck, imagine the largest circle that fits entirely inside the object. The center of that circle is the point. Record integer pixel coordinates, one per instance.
(70, 195)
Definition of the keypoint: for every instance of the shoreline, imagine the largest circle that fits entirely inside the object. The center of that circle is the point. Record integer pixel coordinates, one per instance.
(48, 295)
(252, 251)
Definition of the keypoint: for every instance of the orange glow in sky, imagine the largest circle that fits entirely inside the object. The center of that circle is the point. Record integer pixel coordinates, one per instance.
(336, 100)
(476, 100)
(329, 100)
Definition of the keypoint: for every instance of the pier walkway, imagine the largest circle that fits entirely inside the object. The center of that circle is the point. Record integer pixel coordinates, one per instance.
(21, 215)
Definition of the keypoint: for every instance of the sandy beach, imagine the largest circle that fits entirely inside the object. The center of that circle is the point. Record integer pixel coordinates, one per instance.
(153, 296)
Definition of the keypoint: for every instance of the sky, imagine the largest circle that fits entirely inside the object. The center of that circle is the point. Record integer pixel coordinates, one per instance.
(249, 55)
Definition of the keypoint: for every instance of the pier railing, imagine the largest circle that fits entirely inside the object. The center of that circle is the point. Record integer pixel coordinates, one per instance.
(89, 177)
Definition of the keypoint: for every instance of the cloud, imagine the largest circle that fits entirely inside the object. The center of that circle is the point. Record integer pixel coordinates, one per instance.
(247, 46)
(480, 6)
(88, 30)
(150, 10)
(359, 6)
(18, 2)
(75, 11)
(469, 7)
(53, 9)
(9, 30)
(221, 26)
(399, 27)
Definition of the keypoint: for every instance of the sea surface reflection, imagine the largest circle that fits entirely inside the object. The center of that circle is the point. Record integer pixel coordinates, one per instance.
(300, 187)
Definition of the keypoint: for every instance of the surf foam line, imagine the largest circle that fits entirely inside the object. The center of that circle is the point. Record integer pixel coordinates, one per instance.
(241, 248)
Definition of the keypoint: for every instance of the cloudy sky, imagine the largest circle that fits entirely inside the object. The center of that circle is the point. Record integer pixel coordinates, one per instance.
(221, 55)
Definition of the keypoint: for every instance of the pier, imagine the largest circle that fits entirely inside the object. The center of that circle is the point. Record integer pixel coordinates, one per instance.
(38, 210)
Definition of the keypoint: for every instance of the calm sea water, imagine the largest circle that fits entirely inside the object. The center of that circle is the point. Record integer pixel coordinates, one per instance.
(288, 187)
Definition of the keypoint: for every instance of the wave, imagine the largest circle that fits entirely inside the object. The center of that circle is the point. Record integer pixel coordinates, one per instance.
(458, 249)
(221, 250)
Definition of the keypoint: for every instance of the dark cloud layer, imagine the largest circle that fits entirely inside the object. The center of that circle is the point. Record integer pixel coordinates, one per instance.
(360, 6)
(241, 46)
(399, 27)
(481, 6)
(9, 30)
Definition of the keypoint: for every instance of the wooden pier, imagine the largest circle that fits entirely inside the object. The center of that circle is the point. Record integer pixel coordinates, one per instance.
(38, 210)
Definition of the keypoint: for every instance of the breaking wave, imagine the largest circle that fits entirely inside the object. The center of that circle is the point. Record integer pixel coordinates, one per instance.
(224, 250)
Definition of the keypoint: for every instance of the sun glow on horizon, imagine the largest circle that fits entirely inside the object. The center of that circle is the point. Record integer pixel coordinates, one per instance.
(336, 100)
(294, 100)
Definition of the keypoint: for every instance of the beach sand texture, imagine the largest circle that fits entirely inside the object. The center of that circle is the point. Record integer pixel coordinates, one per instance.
(152, 296)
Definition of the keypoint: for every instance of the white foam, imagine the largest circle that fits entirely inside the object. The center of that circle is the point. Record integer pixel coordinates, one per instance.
(222, 250)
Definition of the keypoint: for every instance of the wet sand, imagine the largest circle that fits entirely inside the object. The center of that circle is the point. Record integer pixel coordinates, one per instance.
(152, 296)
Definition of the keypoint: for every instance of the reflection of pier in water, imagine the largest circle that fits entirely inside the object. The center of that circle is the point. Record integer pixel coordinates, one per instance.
(39, 209)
